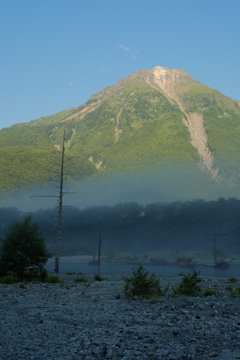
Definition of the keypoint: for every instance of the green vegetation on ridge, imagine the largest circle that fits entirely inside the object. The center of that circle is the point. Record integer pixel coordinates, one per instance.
(131, 127)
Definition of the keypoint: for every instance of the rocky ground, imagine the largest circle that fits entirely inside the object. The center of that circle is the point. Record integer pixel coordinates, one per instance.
(86, 322)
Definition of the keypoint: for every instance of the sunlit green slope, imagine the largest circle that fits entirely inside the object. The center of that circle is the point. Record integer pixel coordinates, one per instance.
(153, 121)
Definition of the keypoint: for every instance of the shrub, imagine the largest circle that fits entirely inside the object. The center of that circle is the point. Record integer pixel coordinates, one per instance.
(235, 293)
(99, 278)
(232, 280)
(54, 279)
(142, 285)
(80, 278)
(8, 279)
(34, 274)
(210, 292)
(22, 285)
(189, 285)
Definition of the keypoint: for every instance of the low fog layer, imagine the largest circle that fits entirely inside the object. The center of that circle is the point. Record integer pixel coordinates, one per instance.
(170, 185)
(147, 213)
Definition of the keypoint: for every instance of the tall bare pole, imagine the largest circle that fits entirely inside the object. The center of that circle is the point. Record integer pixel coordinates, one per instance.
(215, 250)
(60, 206)
(99, 248)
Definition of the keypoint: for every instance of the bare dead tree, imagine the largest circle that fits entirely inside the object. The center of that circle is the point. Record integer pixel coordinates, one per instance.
(215, 250)
(60, 206)
(94, 255)
(60, 195)
(99, 248)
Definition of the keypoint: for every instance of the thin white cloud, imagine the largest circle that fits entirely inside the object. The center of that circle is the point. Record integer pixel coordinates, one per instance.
(125, 48)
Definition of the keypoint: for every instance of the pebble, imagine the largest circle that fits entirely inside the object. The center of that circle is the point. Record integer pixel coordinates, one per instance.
(75, 321)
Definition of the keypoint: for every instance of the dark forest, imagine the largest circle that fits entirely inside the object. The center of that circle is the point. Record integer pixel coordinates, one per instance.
(140, 229)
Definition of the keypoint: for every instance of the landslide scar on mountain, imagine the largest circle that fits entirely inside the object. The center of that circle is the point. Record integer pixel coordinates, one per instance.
(82, 113)
(165, 80)
(71, 138)
(194, 123)
(68, 143)
(117, 130)
(97, 164)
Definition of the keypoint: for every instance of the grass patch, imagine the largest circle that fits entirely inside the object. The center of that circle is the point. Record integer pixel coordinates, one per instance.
(99, 278)
(235, 293)
(80, 279)
(54, 279)
(210, 292)
(232, 280)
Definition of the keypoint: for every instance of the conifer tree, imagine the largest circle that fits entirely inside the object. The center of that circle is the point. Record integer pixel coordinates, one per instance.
(23, 250)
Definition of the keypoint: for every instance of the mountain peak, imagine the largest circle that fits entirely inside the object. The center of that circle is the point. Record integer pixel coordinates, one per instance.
(147, 123)
(162, 75)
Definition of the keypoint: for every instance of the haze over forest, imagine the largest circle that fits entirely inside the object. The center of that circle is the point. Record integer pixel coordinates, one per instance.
(149, 229)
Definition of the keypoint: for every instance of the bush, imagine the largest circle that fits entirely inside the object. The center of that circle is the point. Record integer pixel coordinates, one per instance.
(8, 279)
(34, 274)
(22, 285)
(54, 279)
(210, 292)
(80, 278)
(189, 285)
(99, 278)
(235, 293)
(23, 251)
(142, 285)
(232, 280)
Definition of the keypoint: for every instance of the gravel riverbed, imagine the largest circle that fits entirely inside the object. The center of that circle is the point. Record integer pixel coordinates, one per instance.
(75, 321)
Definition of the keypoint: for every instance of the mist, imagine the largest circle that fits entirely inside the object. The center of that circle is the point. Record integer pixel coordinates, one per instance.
(160, 214)
(176, 183)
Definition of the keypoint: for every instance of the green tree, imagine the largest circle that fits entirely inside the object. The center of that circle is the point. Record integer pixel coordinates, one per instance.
(23, 250)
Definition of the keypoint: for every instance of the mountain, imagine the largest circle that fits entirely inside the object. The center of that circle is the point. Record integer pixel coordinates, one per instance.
(157, 134)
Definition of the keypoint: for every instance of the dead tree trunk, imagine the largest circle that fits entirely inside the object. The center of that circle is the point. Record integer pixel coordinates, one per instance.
(60, 206)
(99, 249)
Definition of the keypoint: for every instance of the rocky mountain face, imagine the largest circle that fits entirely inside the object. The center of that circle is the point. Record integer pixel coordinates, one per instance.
(167, 81)
(162, 129)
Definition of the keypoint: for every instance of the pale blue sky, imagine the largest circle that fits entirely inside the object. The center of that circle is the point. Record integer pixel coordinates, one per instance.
(56, 53)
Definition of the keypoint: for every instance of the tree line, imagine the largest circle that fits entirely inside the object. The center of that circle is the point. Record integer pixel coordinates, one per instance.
(137, 227)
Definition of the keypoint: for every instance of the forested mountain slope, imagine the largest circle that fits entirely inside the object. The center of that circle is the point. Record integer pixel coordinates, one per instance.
(157, 125)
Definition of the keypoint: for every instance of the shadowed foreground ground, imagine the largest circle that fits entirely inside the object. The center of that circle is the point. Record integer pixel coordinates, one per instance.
(75, 321)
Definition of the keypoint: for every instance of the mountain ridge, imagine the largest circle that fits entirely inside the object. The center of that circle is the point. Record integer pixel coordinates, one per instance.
(151, 120)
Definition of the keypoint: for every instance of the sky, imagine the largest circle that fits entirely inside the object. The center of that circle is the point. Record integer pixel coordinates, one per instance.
(55, 54)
